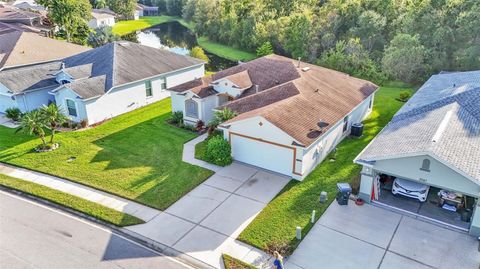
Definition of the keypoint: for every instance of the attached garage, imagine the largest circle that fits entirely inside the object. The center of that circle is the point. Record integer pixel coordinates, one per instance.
(262, 153)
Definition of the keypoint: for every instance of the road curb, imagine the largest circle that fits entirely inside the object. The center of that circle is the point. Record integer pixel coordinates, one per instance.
(142, 240)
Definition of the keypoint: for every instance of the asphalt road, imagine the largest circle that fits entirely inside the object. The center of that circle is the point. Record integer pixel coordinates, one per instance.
(34, 236)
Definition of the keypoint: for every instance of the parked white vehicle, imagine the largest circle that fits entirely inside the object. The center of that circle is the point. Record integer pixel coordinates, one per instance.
(410, 189)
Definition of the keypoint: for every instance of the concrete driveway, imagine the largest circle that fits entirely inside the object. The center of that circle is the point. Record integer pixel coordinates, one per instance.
(205, 222)
(372, 237)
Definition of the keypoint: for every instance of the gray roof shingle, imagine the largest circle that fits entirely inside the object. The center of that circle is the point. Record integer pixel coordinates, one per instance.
(442, 121)
(116, 63)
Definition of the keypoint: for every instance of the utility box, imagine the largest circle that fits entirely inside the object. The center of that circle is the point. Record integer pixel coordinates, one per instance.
(357, 129)
(343, 193)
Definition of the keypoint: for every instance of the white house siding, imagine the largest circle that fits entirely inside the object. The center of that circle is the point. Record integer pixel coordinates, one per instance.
(61, 97)
(317, 151)
(132, 96)
(207, 105)
(95, 23)
(278, 158)
(226, 86)
(440, 175)
(34, 99)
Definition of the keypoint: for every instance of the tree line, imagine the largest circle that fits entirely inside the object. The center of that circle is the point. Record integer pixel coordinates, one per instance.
(405, 40)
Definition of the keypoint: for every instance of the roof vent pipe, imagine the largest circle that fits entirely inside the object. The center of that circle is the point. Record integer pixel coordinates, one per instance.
(63, 66)
(256, 88)
(298, 65)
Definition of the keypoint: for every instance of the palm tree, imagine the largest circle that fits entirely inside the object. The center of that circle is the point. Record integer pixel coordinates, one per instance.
(33, 123)
(53, 117)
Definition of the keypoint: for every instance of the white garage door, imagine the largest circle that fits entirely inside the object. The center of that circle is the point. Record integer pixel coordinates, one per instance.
(262, 154)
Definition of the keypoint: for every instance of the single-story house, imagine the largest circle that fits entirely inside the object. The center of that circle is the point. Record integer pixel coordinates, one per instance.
(29, 5)
(99, 84)
(432, 144)
(10, 14)
(102, 17)
(20, 48)
(290, 114)
(144, 10)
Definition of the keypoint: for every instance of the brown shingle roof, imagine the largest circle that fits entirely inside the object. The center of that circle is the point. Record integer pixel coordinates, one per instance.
(23, 48)
(324, 95)
(201, 87)
(241, 79)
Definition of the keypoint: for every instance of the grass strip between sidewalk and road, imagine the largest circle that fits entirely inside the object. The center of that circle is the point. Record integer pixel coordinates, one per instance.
(274, 228)
(232, 263)
(70, 201)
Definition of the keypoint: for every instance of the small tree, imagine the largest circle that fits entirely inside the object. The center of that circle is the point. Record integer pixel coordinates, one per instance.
(219, 117)
(53, 117)
(265, 49)
(101, 36)
(197, 52)
(33, 123)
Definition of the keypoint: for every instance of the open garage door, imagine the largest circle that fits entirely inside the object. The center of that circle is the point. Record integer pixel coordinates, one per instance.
(431, 202)
(264, 154)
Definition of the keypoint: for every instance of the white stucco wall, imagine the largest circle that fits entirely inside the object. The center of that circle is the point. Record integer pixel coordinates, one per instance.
(178, 102)
(95, 23)
(226, 86)
(440, 175)
(129, 97)
(7, 102)
(326, 143)
(61, 97)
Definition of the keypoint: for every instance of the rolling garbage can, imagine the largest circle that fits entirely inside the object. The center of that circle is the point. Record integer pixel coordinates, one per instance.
(343, 193)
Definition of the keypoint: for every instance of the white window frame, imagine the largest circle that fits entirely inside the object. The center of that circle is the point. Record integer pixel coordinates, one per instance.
(345, 124)
(68, 109)
(163, 84)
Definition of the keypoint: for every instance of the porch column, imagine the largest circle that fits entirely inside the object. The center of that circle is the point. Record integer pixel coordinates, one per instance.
(366, 183)
(475, 225)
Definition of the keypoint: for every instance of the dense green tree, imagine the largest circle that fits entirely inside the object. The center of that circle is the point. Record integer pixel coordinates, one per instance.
(70, 16)
(265, 49)
(197, 52)
(404, 58)
(124, 8)
(100, 4)
(174, 7)
(101, 36)
(369, 29)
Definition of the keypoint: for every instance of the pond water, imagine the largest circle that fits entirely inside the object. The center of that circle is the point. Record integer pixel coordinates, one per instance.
(176, 38)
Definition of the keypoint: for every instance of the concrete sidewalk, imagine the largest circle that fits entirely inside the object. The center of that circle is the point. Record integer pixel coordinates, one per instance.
(111, 201)
(205, 223)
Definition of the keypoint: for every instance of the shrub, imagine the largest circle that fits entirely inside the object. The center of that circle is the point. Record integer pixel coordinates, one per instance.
(13, 113)
(84, 123)
(404, 96)
(177, 117)
(200, 125)
(218, 151)
(66, 124)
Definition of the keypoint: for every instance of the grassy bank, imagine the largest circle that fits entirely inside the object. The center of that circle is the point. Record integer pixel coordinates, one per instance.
(275, 226)
(225, 51)
(126, 27)
(136, 155)
(90, 208)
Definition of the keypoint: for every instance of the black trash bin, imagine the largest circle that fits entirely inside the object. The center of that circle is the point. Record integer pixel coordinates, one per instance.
(343, 193)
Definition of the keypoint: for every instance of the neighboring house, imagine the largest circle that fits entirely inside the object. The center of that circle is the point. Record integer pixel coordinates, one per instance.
(433, 140)
(144, 10)
(19, 48)
(290, 114)
(14, 15)
(29, 21)
(102, 17)
(100, 83)
(29, 6)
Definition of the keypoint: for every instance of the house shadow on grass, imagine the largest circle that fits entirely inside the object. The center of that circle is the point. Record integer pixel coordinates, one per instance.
(147, 159)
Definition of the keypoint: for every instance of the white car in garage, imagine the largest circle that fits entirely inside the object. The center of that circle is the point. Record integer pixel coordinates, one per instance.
(410, 189)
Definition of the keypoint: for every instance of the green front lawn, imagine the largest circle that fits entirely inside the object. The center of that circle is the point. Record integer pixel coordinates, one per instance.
(136, 155)
(274, 227)
(64, 199)
(225, 51)
(126, 27)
